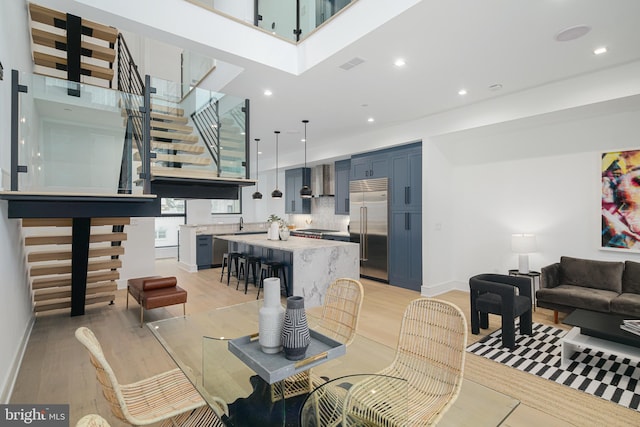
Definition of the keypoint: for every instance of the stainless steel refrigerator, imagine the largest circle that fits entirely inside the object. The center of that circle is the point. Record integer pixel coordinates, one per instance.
(368, 226)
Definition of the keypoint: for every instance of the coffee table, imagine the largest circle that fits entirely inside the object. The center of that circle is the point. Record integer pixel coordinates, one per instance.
(598, 331)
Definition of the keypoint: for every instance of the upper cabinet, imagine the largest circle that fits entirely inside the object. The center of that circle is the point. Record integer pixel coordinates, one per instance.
(406, 179)
(343, 172)
(294, 179)
(370, 166)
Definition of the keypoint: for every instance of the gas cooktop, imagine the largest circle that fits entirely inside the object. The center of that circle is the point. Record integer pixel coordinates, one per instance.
(313, 230)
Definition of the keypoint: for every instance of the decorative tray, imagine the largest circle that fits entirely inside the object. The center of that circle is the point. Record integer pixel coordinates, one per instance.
(275, 367)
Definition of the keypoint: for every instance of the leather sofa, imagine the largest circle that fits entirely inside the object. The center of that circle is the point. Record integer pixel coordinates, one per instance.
(154, 292)
(604, 286)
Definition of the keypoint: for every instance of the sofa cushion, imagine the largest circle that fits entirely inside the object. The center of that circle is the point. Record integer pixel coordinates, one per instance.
(606, 275)
(631, 277)
(627, 304)
(578, 297)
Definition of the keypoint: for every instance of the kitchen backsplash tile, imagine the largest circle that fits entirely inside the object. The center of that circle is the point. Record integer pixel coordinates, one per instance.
(323, 216)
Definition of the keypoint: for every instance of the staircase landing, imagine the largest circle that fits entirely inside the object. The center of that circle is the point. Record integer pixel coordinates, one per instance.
(79, 205)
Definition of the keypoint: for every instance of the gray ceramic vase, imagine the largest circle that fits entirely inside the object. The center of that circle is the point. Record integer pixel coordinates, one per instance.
(295, 330)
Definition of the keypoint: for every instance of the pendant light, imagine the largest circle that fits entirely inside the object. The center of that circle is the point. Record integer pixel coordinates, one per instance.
(257, 195)
(305, 191)
(276, 194)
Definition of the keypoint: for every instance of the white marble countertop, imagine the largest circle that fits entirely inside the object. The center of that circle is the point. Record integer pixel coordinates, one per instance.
(293, 244)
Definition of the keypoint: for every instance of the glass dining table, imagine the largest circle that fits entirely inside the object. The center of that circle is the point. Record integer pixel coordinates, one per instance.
(199, 345)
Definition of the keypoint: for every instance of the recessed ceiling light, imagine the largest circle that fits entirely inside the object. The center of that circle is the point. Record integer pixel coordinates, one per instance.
(371, 120)
(399, 62)
(259, 152)
(572, 33)
(462, 92)
(268, 93)
(600, 50)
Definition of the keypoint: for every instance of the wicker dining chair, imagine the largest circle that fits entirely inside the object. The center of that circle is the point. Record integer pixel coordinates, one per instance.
(429, 357)
(339, 321)
(167, 398)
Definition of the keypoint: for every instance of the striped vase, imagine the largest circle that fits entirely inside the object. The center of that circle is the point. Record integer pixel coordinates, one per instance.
(295, 330)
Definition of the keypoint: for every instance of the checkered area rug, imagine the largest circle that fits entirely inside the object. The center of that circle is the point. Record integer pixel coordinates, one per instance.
(597, 373)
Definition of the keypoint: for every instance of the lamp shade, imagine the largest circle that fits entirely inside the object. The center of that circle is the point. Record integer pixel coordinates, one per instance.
(523, 243)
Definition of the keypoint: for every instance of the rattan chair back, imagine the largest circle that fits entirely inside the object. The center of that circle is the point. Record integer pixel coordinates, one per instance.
(341, 310)
(168, 398)
(430, 357)
(339, 321)
(105, 375)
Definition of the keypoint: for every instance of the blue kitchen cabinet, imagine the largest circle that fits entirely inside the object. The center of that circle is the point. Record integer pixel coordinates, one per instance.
(342, 177)
(294, 179)
(405, 250)
(406, 179)
(370, 166)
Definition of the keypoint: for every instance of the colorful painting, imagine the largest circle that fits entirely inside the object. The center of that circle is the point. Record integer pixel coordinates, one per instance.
(621, 200)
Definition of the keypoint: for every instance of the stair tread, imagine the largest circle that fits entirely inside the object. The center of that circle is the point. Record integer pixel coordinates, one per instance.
(48, 16)
(55, 62)
(39, 256)
(66, 239)
(179, 158)
(53, 40)
(169, 117)
(171, 126)
(65, 291)
(157, 145)
(63, 268)
(190, 173)
(65, 279)
(174, 136)
(56, 305)
(68, 222)
(167, 110)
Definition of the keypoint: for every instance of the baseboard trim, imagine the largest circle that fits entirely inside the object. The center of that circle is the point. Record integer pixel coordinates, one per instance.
(440, 288)
(188, 267)
(7, 388)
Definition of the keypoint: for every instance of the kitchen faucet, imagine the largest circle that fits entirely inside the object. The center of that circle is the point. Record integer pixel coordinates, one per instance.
(241, 223)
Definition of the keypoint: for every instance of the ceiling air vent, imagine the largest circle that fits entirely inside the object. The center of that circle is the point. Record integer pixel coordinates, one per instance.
(352, 63)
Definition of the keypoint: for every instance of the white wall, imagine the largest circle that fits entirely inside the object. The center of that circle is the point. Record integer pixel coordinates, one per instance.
(16, 316)
(557, 197)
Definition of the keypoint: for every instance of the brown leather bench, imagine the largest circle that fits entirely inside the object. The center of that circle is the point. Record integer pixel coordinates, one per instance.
(154, 292)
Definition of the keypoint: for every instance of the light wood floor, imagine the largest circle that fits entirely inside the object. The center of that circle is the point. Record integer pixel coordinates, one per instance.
(56, 368)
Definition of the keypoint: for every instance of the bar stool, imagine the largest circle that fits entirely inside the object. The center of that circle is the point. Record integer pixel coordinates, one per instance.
(246, 264)
(229, 259)
(273, 269)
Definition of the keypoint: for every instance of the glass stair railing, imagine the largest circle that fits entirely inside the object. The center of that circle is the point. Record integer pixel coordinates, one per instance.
(200, 136)
(72, 144)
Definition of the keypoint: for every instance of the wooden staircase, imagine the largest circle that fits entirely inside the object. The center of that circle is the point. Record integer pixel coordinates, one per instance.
(48, 243)
(179, 151)
(54, 36)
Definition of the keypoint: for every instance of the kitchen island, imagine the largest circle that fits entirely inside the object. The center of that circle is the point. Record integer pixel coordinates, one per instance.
(312, 264)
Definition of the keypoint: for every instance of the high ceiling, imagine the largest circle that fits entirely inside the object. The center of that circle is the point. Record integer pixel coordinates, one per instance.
(447, 45)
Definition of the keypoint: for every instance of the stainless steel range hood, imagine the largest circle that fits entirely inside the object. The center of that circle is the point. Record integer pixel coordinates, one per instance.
(323, 180)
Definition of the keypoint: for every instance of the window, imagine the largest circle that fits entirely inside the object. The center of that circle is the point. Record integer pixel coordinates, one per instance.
(226, 206)
(172, 213)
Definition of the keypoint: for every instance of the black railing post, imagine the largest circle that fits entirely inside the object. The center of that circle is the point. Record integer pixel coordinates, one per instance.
(16, 89)
(74, 41)
(298, 30)
(146, 135)
(81, 231)
(247, 140)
